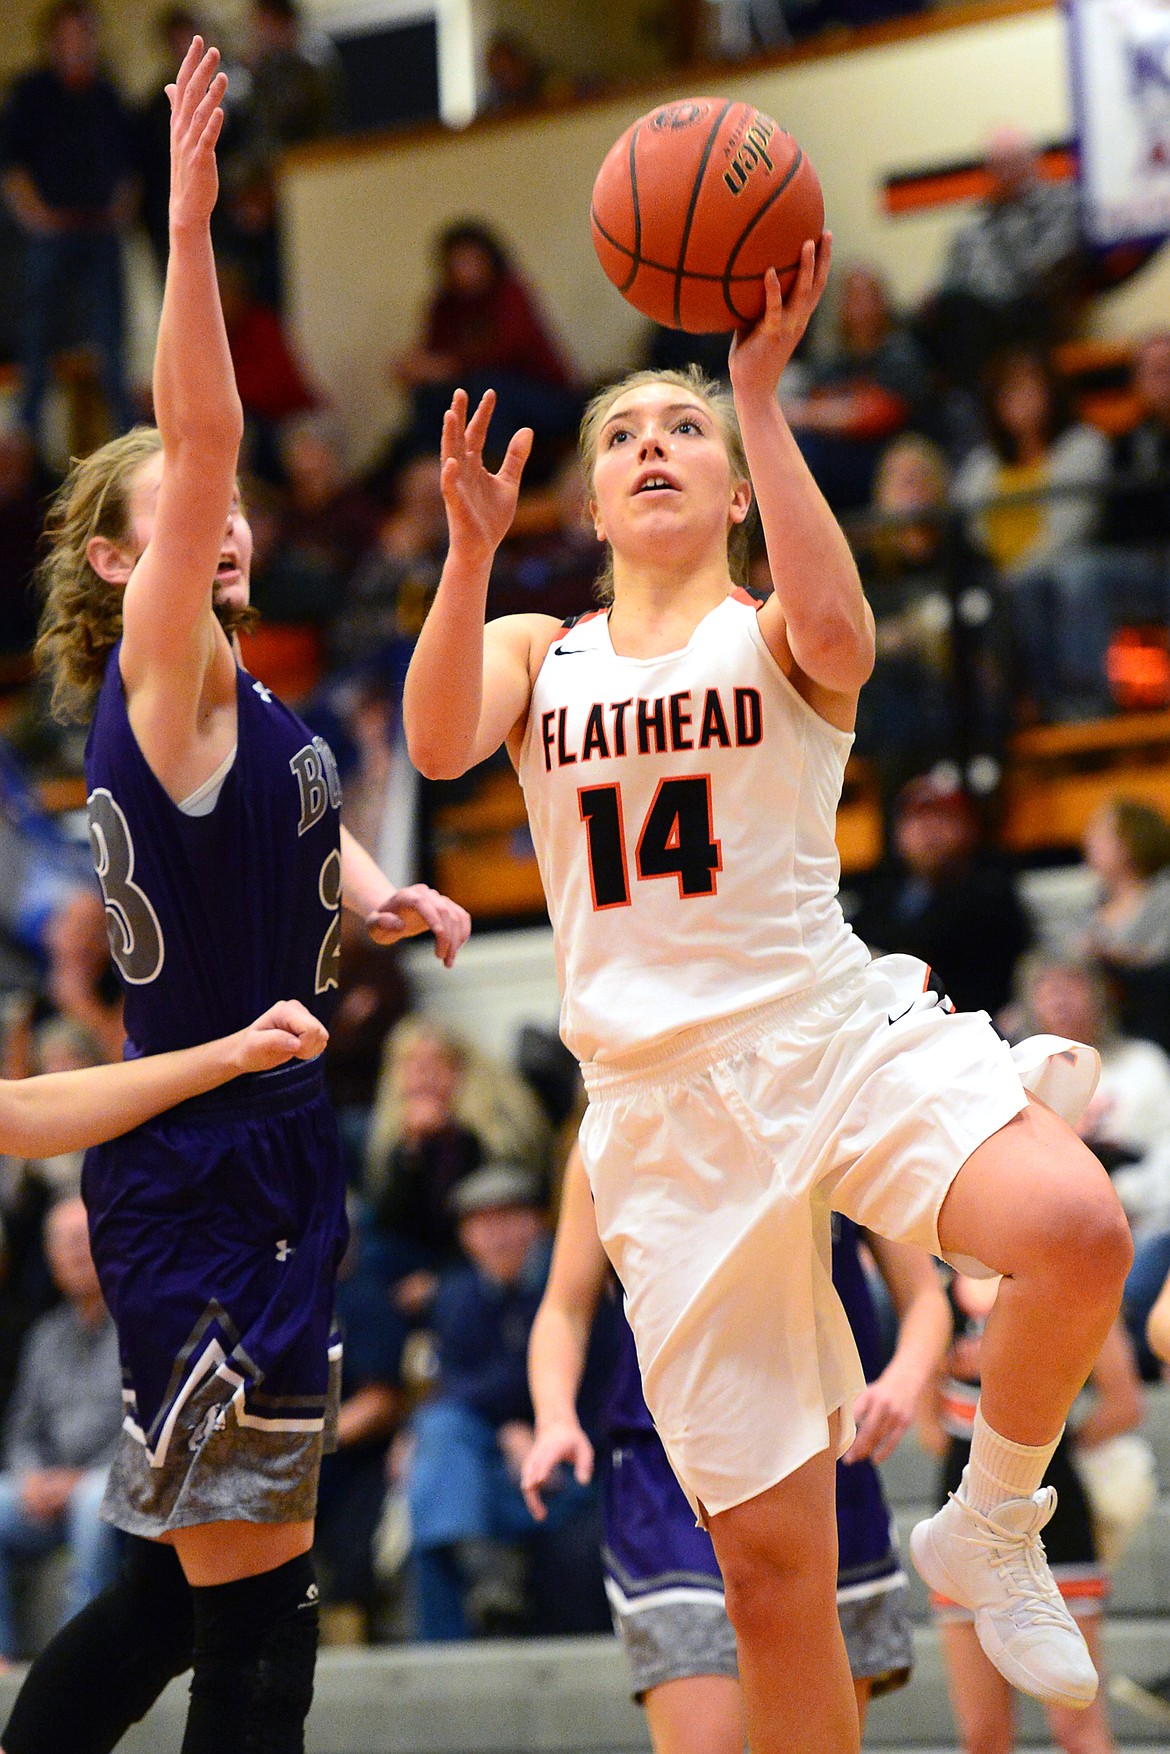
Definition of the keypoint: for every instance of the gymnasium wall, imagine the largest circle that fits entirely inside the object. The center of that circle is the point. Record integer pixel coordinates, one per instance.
(360, 217)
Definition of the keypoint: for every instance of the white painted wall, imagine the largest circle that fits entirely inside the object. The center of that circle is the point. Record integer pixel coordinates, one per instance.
(360, 225)
(500, 981)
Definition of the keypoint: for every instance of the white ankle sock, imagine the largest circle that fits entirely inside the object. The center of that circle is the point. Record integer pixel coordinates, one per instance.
(1000, 1469)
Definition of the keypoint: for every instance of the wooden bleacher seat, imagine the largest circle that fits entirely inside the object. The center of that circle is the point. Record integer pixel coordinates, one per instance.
(1058, 776)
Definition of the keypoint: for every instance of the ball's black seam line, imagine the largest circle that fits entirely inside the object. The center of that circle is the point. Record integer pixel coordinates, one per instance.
(688, 273)
(696, 186)
(728, 276)
(637, 261)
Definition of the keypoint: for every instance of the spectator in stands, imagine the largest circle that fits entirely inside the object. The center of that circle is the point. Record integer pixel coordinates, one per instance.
(946, 899)
(289, 585)
(515, 77)
(1127, 1124)
(1127, 847)
(63, 1426)
(373, 995)
(1035, 448)
(272, 384)
(295, 89)
(552, 570)
(329, 520)
(483, 330)
(1009, 272)
(860, 393)
(1125, 574)
(15, 1321)
(24, 488)
(174, 27)
(419, 1152)
(390, 589)
(80, 981)
(470, 1526)
(353, 1477)
(246, 229)
(916, 565)
(66, 156)
(440, 1110)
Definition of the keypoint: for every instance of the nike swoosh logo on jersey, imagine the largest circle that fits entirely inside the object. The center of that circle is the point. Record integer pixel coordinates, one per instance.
(901, 1014)
(569, 651)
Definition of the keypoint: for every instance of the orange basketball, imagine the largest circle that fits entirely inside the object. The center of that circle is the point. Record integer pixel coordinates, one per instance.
(691, 206)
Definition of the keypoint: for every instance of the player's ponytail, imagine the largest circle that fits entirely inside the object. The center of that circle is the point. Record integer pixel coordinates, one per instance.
(719, 401)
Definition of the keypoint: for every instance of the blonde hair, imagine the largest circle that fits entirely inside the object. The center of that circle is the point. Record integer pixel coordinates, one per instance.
(884, 541)
(490, 1098)
(81, 616)
(719, 401)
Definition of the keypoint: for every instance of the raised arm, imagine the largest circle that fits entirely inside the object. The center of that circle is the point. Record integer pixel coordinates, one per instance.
(888, 1405)
(560, 1340)
(818, 616)
(171, 636)
(467, 687)
(69, 1111)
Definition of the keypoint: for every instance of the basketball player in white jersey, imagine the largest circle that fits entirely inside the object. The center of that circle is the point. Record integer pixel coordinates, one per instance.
(748, 1066)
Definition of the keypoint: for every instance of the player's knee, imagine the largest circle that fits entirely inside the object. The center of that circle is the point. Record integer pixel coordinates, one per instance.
(766, 1583)
(255, 1651)
(1089, 1244)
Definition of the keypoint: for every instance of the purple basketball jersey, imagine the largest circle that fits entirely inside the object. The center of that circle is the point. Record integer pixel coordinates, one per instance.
(213, 918)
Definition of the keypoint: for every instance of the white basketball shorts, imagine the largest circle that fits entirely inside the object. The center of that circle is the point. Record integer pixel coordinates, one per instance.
(715, 1161)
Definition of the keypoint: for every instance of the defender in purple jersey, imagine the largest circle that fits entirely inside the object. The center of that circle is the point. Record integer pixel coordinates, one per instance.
(662, 1576)
(217, 1228)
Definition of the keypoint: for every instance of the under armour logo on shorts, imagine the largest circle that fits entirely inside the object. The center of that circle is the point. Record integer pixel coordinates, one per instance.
(312, 1596)
(284, 1249)
(215, 1419)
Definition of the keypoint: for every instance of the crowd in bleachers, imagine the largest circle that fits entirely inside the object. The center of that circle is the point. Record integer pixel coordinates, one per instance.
(991, 512)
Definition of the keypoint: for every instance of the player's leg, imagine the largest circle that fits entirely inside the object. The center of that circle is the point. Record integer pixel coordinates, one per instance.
(1084, 1732)
(778, 1556)
(862, 1686)
(255, 1646)
(699, 1714)
(981, 1699)
(1033, 1204)
(106, 1667)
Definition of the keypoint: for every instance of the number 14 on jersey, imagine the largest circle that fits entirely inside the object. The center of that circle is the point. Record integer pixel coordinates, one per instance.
(677, 840)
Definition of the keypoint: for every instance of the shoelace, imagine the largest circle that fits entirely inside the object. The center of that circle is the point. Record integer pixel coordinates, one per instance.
(1020, 1564)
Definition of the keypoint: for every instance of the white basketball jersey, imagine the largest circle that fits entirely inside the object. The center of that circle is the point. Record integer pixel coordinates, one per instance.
(682, 809)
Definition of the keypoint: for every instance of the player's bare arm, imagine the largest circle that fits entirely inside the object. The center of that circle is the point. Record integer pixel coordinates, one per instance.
(69, 1111)
(888, 1406)
(176, 661)
(818, 623)
(391, 913)
(468, 687)
(560, 1339)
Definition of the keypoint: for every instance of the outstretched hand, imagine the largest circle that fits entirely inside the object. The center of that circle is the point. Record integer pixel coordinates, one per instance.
(196, 123)
(407, 912)
(480, 505)
(760, 354)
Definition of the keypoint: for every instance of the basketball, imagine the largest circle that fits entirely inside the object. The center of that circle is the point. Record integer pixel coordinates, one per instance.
(691, 206)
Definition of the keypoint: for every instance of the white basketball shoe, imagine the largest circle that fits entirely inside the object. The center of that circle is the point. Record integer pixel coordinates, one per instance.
(995, 1565)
